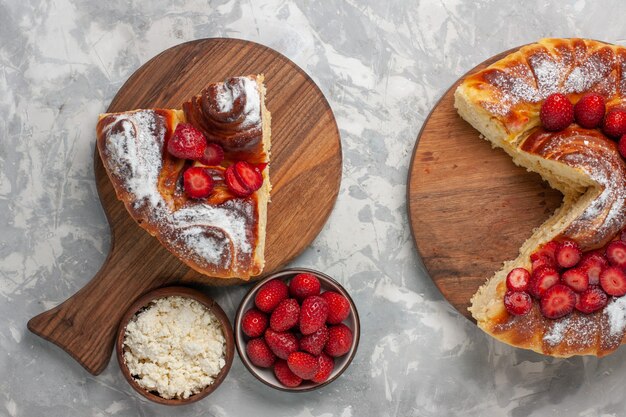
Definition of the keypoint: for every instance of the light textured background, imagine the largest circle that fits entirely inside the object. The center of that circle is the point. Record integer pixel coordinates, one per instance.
(382, 65)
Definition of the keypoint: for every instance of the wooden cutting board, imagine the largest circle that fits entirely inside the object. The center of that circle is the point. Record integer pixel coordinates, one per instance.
(305, 172)
(470, 207)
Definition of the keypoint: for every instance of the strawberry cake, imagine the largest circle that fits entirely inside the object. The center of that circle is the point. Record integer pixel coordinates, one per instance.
(197, 179)
(557, 108)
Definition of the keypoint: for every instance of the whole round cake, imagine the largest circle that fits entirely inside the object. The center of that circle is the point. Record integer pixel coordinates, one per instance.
(557, 108)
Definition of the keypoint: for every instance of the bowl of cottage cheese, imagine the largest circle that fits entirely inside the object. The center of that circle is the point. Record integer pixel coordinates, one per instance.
(175, 345)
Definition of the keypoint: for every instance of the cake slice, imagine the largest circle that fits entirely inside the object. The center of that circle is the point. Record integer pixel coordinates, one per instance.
(197, 178)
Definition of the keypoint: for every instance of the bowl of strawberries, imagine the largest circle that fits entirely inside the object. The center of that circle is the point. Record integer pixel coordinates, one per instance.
(297, 330)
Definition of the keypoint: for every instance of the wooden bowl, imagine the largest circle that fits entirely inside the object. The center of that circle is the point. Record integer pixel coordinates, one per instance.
(266, 375)
(211, 305)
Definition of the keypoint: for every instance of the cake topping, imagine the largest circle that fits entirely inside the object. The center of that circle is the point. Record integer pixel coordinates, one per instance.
(613, 281)
(589, 111)
(592, 299)
(567, 254)
(198, 182)
(556, 112)
(187, 142)
(542, 279)
(558, 301)
(213, 155)
(518, 280)
(576, 278)
(614, 125)
(517, 302)
(616, 253)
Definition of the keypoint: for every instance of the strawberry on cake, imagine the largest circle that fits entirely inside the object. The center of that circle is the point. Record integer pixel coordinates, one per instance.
(557, 108)
(197, 179)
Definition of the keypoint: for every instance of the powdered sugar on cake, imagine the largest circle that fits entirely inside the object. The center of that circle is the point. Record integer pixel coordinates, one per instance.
(616, 313)
(211, 234)
(557, 332)
(246, 89)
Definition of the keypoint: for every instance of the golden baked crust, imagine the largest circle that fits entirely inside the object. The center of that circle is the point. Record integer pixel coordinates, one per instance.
(502, 102)
(222, 236)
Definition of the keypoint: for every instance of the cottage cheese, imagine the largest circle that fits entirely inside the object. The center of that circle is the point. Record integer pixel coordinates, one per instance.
(175, 347)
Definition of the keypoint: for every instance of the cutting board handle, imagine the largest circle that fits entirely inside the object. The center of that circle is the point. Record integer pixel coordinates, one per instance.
(85, 325)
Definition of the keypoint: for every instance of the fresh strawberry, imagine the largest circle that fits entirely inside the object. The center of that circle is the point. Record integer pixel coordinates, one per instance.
(187, 142)
(542, 279)
(621, 146)
(313, 314)
(303, 364)
(568, 254)
(248, 175)
(285, 315)
(517, 303)
(589, 111)
(259, 353)
(338, 307)
(197, 182)
(548, 250)
(556, 113)
(576, 279)
(339, 340)
(233, 183)
(213, 155)
(270, 295)
(314, 343)
(558, 301)
(303, 286)
(282, 344)
(327, 364)
(518, 280)
(261, 166)
(254, 323)
(614, 125)
(613, 281)
(593, 263)
(616, 253)
(284, 374)
(542, 261)
(591, 300)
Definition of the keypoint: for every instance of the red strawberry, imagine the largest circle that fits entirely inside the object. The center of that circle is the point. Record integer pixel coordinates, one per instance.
(313, 314)
(556, 113)
(285, 315)
(254, 323)
(518, 279)
(614, 124)
(259, 353)
(197, 182)
(621, 146)
(282, 344)
(591, 300)
(568, 254)
(248, 175)
(576, 279)
(284, 374)
(338, 307)
(517, 303)
(623, 236)
(543, 261)
(548, 249)
(542, 279)
(616, 253)
(213, 155)
(314, 343)
(339, 340)
(593, 263)
(270, 295)
(589, 111)
(327, 364)
(303, 286)
(303, 364)
(613, 281)
(558, 301)
(187, 142)
(233, 183)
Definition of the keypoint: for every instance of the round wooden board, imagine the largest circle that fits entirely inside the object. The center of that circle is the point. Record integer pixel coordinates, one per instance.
(470, 207)
(305, 172)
